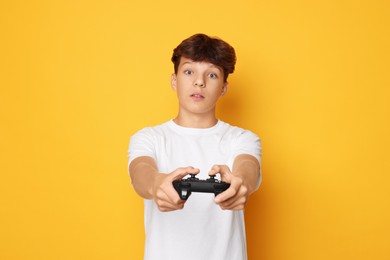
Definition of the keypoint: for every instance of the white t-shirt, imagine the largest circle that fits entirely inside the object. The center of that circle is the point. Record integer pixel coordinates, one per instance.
(202, 230)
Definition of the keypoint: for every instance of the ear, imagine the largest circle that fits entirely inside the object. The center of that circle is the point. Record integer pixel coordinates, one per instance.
(173, 81)
(224, 88)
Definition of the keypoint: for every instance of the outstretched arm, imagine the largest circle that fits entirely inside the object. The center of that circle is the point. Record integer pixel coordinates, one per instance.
(150, 184)
(243, 181)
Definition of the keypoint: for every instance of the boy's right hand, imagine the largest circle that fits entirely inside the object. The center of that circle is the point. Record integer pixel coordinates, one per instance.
(164, 194)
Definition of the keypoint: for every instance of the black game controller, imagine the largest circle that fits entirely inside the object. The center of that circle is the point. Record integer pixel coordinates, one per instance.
(192, 184)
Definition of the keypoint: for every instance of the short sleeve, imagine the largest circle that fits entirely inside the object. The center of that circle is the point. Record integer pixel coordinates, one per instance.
(142, 144)
(247, 143)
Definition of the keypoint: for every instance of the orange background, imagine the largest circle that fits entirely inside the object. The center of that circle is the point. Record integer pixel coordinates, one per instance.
(78, 78)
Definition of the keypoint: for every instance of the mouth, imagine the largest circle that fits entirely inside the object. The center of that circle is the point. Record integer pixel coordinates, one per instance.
(197, 96)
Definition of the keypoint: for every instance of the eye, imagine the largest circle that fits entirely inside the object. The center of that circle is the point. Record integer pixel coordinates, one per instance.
(213, 75)
(188, 72)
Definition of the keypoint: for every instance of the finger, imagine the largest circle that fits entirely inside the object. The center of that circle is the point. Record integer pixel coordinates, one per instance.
(181, 172)
(219, 169)
(164, 208)
(226, 195)
(163, 204)
(237, 202)
(171, 195)
(233, 202)
(164, 200)
(174, 198)
(223, 170)
(234, 190)
(238, 206)
(167, 192)
(214, 170)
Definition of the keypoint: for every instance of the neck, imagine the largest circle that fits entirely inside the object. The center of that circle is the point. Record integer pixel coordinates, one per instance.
(196, 121)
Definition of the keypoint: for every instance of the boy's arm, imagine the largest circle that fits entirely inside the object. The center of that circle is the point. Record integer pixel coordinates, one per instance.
(243, 181)
(143, 171)
(150, 184)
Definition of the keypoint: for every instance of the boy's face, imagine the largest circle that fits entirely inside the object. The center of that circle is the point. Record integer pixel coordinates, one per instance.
(198, 86)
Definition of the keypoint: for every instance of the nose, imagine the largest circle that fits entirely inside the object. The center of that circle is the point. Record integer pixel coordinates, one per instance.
(199, 82)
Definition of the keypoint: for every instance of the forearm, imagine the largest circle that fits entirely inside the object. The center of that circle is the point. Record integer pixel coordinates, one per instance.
(247, 168)
(150, 184)
(143, 173)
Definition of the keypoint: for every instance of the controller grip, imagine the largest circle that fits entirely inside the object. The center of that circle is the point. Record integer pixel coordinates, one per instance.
(183, 189)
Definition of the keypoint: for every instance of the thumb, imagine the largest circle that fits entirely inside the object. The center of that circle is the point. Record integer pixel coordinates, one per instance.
(223, 170)
(181, 172)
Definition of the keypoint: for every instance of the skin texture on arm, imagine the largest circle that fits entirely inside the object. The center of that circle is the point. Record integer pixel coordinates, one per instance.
(150, 184)
(143, 171)
(243, 181)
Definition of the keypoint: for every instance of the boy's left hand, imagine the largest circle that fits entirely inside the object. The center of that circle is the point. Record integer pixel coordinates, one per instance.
(236, 196)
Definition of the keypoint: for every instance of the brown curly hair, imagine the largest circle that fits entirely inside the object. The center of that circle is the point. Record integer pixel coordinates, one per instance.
(201, 47)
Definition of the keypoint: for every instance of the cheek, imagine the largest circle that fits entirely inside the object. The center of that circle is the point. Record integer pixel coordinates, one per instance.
(214, 96)
(180, 92)
(217, 90)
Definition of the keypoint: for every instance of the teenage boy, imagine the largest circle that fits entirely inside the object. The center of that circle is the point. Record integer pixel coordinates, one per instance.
(196, 142)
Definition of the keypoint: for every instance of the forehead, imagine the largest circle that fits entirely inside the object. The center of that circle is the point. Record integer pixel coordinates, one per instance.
(187, 61)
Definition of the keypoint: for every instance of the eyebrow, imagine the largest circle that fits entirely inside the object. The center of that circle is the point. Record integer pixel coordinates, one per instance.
(211, 66)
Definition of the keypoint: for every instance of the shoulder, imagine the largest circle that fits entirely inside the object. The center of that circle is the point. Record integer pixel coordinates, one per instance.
(243, 141)
(235, 132)
(145, 142)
